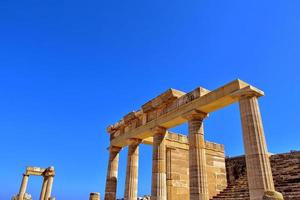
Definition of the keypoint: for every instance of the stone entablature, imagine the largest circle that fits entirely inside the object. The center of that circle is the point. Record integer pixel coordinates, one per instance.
(38, 171)
(160, 105)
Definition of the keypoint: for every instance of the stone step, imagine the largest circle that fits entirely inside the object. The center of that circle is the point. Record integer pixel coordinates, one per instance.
(286, 175)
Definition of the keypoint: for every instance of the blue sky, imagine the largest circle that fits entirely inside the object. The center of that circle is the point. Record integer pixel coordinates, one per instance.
(70, 68)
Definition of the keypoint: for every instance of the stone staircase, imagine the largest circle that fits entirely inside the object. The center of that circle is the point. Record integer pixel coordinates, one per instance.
(286, 175)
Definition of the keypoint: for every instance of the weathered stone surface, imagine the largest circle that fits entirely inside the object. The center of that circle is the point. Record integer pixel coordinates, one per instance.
(258, 165)
(95, 196)
(173, 108)
(131, 182)
(159, 181)
(272, 195)
(178, 167)
(197, 158)
(48, 175)
(112, 174)
(25, 197)
(286, 175)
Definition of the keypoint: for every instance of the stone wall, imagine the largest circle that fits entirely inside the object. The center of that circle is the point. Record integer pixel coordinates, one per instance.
(216, 170)
(178, 167)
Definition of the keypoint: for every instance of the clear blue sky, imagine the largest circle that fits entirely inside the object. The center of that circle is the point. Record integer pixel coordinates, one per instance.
(70, 68)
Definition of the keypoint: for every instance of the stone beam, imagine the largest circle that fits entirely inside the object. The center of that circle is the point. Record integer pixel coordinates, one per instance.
(35, 171)
(205, 101)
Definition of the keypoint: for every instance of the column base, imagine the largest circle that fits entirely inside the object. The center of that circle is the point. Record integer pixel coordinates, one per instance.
(272, 195)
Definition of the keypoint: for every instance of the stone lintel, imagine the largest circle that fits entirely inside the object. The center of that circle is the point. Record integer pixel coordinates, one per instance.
(35, 171)
(172, 115)
(134, 141)
(38, 171)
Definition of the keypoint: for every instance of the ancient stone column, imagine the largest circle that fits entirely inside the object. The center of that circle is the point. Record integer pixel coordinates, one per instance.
(44, 187)
(95, 196)
(197, 156)
(49, 175)
(49, 187)
(23, 186)
(112, 173)
(257, 159)
(131, 184)
(159, 177)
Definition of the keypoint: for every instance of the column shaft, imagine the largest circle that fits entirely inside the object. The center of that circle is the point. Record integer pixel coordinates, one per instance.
(49, 187)
(257, 159)
(23, 186)
(112, 174)
(131, 183)
(197, 160)
(44, 187)
(159, 177)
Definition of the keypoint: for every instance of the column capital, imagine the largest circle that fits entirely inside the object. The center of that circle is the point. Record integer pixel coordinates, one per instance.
(248, 92)
(195, 114)
(49, 172)
(159, 130)
(25, 174)
(134, 141)
(114, 149)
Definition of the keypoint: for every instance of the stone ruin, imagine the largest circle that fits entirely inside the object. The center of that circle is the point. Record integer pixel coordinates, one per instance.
(48, 176)
(25, 197)
(189, 167)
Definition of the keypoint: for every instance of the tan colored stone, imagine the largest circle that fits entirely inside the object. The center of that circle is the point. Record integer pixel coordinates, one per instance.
(197, 157)
(44, 188)
(23, 186)
(257, 158)
(159, 179)
(49, 187)
(272, 195)
(206, 171)
(112, 173)
(47, 173)
(131, 184)
(95, 196)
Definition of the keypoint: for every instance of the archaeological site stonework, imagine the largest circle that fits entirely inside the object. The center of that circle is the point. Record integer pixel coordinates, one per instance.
(189, 167)
(48, 177)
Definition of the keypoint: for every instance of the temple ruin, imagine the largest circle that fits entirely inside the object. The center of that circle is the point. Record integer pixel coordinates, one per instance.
(188, 167)
(48, 176)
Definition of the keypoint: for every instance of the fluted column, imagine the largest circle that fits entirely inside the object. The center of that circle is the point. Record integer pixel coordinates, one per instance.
(44, 187)
(259, 171)
(49, 187)
(197, 156)
(112, 173)
(49, 174)
(159, 177)
(23, 186)
(131, 184)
